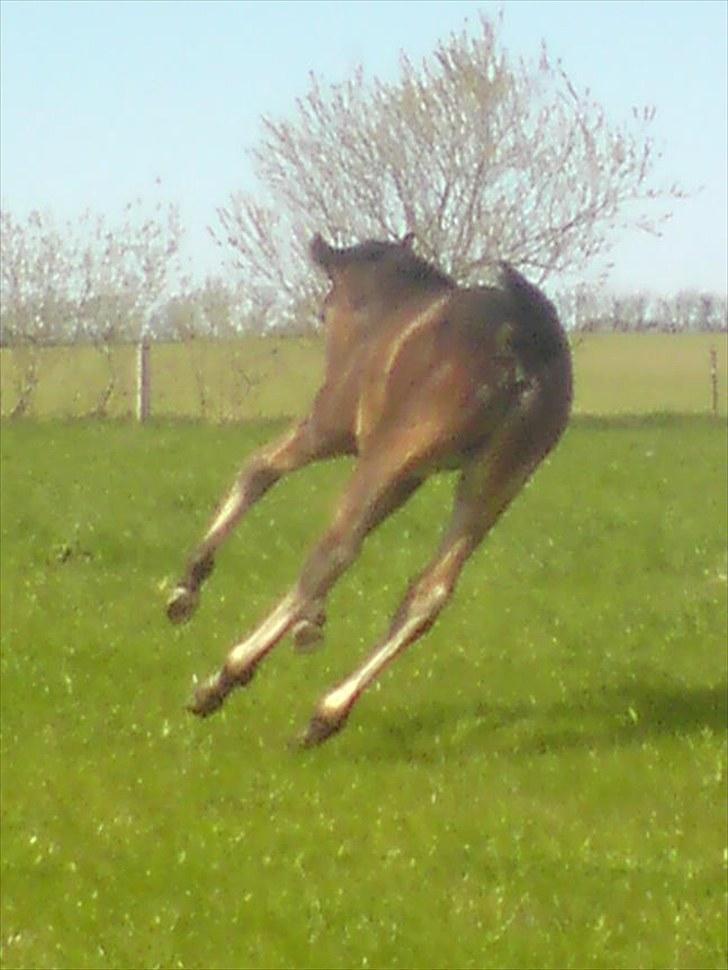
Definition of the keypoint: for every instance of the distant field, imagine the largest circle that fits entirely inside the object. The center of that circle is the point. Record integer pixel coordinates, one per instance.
(256, 378)
(643, 373)
(540, 782)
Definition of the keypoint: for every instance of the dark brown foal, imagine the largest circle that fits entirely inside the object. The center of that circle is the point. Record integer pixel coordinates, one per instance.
(421, 375)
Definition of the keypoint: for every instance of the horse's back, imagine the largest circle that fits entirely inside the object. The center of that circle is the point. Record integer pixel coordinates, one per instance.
(451, 373)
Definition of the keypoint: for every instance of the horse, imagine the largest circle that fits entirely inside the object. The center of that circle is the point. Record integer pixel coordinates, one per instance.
(421, 375)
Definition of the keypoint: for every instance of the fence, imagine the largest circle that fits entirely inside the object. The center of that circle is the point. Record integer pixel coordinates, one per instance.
(264, 377)
(248, 378)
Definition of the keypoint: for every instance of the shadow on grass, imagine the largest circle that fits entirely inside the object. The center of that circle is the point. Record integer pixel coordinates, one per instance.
(615, 716)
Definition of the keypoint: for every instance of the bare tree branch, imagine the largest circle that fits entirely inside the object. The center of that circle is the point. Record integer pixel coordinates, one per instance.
(482, 157)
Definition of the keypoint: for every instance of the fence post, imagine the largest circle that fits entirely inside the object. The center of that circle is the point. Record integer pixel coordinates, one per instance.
(714, 379)
(143, 382)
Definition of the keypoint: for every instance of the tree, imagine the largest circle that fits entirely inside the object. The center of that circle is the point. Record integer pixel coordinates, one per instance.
(86, 281)
(482, 157)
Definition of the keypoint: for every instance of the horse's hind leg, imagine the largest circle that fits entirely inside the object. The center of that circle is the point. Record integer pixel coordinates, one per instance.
(307, 632)
(366, 502)
(298, 447)
(484, 491)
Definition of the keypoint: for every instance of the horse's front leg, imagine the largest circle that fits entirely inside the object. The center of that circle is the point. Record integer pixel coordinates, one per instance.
(300, 446)
(308, 632)
(242, 660)
(365, 503)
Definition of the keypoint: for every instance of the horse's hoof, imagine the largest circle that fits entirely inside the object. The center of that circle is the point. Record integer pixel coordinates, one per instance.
(210, 695)
(307, 636)
(207, 698)
(319, 729)
(182, 604)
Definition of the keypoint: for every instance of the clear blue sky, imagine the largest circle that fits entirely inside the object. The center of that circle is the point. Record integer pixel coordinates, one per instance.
(99, 100)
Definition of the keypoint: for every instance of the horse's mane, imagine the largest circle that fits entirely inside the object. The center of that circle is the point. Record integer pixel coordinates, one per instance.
(409, 266)
(397, 256)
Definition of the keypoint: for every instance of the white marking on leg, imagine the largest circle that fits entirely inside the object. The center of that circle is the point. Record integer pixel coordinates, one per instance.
(342, 697)
(276, 450)
(428, 602)
(270, 631)
(457, 550)
(226, 513)
(234, 502)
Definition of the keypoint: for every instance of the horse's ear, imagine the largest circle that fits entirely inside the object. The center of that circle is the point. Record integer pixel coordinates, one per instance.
(321, 253)
(407, 240)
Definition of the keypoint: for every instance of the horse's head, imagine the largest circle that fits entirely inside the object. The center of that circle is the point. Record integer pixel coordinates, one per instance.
(366, 256)
(373, 273)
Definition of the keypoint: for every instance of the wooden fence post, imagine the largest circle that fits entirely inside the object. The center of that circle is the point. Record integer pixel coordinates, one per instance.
(143, 380)
(714, 379)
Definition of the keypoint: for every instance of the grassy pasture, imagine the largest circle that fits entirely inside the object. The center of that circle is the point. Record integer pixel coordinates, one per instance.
(256, 377)
(541, 782)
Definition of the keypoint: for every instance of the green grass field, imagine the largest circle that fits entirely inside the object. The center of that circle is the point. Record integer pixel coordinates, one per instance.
(264, 377)
(540, 782)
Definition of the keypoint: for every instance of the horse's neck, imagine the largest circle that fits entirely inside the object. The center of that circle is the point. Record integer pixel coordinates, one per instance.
(374, 316)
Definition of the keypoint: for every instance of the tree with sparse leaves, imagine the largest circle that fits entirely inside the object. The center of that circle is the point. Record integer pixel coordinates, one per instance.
(484, 158)
(87, 281)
